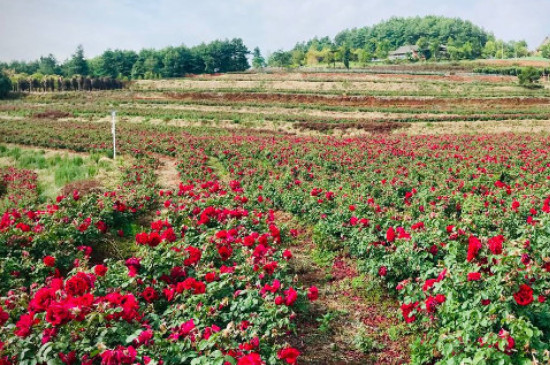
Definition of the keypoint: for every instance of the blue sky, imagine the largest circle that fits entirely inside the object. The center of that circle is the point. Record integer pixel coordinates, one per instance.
(30, 28)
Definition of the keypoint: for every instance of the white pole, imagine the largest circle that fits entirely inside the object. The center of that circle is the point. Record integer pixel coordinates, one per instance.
(113, 130)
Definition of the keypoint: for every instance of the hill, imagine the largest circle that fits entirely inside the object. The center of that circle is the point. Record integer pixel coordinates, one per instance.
(428, 37)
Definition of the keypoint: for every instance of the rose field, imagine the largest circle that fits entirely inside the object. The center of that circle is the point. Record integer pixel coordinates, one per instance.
(278, 218)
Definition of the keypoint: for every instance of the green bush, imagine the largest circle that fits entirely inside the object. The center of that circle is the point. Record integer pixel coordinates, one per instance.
(529, 78)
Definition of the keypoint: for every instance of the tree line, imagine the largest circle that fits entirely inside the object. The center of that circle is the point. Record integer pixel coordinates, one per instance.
(437, 38)
(216, 56)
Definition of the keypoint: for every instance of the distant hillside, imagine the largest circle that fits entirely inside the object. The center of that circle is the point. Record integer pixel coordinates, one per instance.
(397, 32)
(429, 37)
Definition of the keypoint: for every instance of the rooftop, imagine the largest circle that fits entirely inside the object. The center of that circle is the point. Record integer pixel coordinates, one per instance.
(408, 48)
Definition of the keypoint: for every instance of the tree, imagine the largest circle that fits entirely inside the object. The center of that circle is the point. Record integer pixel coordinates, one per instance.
(298, 57)
(5, 85)
(78, 65)
(48, 65)
(435, 45)
(258, 60)
(107, 65)
(529, 78)
(363, 56)
(490, 49)
(520, 49)
(346, 55)
(280, 58)
(313, 56)
(423, 45)
(545, 51)
(382, 49)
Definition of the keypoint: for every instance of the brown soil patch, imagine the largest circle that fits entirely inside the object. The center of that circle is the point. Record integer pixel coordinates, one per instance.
(84, 187)
(52, 114)
(168, 176)
(370, 127)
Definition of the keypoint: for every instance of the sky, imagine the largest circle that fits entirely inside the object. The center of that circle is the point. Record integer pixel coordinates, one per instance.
(31, 28)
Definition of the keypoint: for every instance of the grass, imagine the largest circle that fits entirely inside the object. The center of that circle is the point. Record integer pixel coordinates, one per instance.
(57, 169)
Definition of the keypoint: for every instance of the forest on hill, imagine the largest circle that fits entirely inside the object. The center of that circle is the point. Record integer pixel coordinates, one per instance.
(429, 37)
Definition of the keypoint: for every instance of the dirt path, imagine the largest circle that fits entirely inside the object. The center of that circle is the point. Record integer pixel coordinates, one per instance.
(354, 321)
(168, 176)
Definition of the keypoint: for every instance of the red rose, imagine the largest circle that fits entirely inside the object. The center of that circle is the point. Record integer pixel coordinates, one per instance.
(287, 254)
(250, 359)
(49, 261)
(142, 238)
(474, 276)
(149, 295)
(225, 252)
(313, 293)
(78, 284)
(289, 354)
(4, 316)
(524, 296)
(210, 277)
(474, 245)
(406, 310)
(495, 244)
(100, 270)
(390, 235)
(290, 296)
(58, 314)
(194, 256)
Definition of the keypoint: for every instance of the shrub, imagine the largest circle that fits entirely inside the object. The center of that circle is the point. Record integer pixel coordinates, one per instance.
(529, 77)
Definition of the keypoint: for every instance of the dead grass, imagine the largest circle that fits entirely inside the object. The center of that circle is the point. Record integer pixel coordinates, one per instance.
(476, 127)
(292, 85)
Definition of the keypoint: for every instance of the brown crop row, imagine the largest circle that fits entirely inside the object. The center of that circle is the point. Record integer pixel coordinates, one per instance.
(358, 101)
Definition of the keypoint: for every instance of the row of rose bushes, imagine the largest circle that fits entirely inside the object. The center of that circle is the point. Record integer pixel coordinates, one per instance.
(69, 227)
(426, 214)
(208, 282)
(457, 225)
(17, 186)
(212, 290)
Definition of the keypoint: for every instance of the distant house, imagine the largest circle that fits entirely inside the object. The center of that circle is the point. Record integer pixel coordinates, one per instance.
(405, 52)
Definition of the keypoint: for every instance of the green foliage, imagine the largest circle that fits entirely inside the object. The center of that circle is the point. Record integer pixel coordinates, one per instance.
(365, 343)
(217, 56)
(325, 322)
(78, 65)
(280, 58)
(5, 85)
(529, 78)
(258, 60)
(545, 51)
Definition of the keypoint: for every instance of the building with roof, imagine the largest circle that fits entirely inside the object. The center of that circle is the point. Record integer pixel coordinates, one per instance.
(405, 52)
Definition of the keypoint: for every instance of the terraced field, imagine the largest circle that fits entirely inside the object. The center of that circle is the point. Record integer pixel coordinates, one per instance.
(305, 102)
